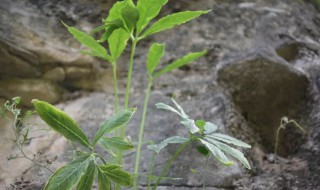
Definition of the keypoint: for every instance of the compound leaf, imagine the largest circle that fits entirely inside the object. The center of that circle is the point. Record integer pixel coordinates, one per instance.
(167, 107)
(210, 128)
(60, 122)
(103, 181)
(116, 143)
(190, 125)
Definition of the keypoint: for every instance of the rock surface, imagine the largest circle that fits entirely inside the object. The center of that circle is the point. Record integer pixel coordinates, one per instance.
(262, 63)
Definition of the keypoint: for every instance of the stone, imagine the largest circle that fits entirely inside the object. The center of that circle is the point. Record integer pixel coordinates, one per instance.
(265, 89)
(55, 75)
(73, 73)
(30, 89)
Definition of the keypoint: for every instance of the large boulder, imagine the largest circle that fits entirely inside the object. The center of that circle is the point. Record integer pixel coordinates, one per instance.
(265, 88)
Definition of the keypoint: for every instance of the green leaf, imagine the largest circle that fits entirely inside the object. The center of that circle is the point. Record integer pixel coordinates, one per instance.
(115, 11)
(148, 9)
(116, 143)
(203, 150)
(103, 181)
(86, 180)
(180, 62)
(68, 176)
(116, 174)
(60, 122)
(232, 151)
(200, 124)
(171, 140)
(190, 125)
(118, 42)
(210, 128)
(87, 41)
(130, 16)
(170, 21)
(217, 153)
(91, 53)
(228, 139)
(167, 107)
(120, 119)
(156, 52)
(110, 27)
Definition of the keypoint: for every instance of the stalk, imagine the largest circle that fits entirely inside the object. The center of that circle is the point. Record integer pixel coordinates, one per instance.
(144, 114)
(150, 170)
(115, 89)
(165, 169)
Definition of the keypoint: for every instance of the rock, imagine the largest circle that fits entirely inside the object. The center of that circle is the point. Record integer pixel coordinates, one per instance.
(55, 75)
(30, 89)
(73, 73)
(265, 89)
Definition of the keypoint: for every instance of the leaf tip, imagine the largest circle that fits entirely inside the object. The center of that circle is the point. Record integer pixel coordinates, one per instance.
(33, 101)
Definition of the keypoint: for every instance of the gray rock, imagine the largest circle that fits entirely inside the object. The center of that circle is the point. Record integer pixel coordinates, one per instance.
(55, 75)
(265, 89)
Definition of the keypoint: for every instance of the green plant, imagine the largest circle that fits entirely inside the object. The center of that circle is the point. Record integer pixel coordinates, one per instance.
(283, 124)
(87, 163)
(129, 22)
(205, 133)
(11, 112)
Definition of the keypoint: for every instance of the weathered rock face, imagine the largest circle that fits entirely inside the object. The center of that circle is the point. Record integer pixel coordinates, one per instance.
(265, 89)
(30, 89)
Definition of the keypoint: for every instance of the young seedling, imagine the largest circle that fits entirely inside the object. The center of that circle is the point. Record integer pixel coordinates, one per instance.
(87, 163)
(11, 112)
(205, 133)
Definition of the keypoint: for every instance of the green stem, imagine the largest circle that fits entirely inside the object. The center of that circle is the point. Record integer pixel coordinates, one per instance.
(150, 170)
(165, 169)
(144, 114)
(115, 86)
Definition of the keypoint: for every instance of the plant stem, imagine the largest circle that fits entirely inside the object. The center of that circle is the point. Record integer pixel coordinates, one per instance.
(204, 173)
(115, 86)
(165, 169)
(150, 170)
(144, 114)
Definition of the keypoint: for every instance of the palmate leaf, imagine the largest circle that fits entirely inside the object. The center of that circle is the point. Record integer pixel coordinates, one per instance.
(210, 128)
(116, 174)
(170, 21)
(118, 42)
(180, 62)
(232, 151)
(86, 180)
(155, 54)
(148, 9)
(61, 122)
(228, 139)
(171, 140)
(190, 125)
(88, 41)
(184, 115)
(69, 175)
(120, 119)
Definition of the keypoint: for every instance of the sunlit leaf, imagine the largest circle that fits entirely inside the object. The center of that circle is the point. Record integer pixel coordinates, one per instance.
(118, 42)
(156, 52)
(120, 119)
(210, 128)
(180, 62)
(68, 176)
(190, 125)
(148, 9)
(88, 41)
(170, 21)
(60, 122)
(184, 115)
(167, 107)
